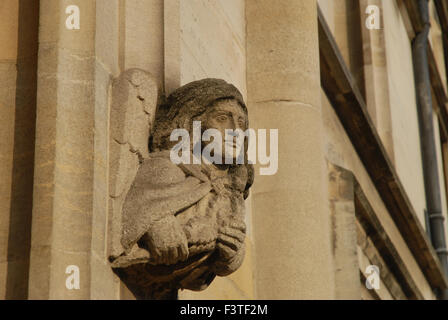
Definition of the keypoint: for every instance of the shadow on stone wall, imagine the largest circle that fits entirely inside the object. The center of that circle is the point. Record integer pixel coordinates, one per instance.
(19, 241)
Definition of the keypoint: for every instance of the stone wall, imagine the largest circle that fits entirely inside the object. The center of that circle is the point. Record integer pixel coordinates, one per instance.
(303, 240)
(405, 130)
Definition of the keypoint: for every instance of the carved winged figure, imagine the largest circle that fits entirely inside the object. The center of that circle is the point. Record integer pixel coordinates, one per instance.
(179, 225)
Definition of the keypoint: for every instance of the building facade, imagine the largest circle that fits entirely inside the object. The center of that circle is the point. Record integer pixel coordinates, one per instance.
(356, 209)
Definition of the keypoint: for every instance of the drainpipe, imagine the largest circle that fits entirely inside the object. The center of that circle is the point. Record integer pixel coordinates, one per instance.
(427, 141)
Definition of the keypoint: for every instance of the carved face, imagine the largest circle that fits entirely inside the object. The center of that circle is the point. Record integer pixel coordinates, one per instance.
(227, 114)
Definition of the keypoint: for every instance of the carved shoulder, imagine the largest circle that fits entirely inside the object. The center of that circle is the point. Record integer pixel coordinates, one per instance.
(159, 170)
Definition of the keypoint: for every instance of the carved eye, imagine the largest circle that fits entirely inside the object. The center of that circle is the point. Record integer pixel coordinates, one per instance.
(222, 118)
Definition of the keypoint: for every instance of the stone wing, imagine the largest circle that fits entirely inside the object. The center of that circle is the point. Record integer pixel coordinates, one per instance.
(134, 100)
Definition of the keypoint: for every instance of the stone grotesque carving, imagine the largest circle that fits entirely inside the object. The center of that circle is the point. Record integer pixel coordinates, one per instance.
(179, 225)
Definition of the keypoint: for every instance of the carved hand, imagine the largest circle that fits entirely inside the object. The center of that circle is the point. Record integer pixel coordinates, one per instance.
(166, 242)
(231, 239)
(231, 249)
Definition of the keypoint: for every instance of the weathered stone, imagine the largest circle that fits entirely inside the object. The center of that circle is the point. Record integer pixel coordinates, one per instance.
(134, 101)
(181, 224)
(292, 222)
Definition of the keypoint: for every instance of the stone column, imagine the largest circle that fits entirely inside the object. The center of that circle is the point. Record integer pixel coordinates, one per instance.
(18, 64)
(128, 34)
(64, 160)
(290, 209)
(8, 74)
(342, 208)
(375, 70)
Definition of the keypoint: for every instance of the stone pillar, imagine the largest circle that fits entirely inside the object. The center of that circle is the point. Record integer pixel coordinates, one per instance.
(8, 74)
(18, 64)
(348, 27)
(375, 70)
(290, 209)
(64, 160)
(143, 45)
(342, 208)
(105, 284)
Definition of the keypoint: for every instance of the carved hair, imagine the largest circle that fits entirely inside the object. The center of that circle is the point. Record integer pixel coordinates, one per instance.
(188, 103)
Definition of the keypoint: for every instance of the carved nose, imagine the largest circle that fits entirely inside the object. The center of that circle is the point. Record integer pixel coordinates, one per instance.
(235, 123)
